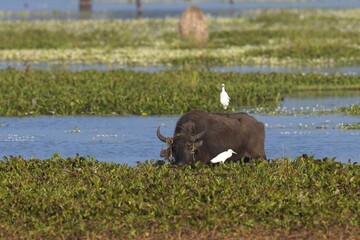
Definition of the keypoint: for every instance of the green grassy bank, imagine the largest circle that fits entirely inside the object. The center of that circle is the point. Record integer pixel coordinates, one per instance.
(58, 92)
(271, 37)
(82, 198)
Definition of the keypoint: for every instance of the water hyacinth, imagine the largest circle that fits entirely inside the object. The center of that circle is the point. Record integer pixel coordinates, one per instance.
(80, 197)
(123, 92)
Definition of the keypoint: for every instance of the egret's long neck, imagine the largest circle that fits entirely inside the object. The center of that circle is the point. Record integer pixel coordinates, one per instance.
(223, 88)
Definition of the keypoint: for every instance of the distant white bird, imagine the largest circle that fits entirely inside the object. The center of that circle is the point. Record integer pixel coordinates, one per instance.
(224, 97)
(223, 156)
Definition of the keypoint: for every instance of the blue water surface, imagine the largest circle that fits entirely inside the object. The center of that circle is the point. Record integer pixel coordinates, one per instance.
(103, 9)
(130, 139)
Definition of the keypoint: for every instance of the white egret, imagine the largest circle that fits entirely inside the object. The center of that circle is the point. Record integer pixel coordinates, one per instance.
(224, 97)
(223, 156)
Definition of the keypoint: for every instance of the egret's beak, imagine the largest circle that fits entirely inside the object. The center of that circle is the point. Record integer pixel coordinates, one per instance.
(234, 152)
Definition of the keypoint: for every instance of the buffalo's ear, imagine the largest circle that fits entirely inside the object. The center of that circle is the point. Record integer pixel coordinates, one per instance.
(198, 144)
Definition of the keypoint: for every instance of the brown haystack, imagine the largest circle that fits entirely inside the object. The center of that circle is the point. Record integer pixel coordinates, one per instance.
(192, 25)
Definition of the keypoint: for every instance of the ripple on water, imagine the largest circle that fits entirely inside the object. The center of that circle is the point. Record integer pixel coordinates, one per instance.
(20, 138)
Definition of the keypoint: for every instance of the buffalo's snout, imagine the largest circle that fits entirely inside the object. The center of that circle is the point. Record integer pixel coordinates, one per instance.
(163, 153)
(167, 155)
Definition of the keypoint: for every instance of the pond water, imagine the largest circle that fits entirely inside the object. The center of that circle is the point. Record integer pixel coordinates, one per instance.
(132, 138)
(107, 9)
(348, 70)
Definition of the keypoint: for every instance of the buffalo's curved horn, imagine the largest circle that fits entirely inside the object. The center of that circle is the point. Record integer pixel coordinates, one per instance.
(199, 135)
(160, 136)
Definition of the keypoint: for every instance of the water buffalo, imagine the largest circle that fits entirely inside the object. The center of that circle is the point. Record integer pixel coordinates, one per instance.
(200, 136)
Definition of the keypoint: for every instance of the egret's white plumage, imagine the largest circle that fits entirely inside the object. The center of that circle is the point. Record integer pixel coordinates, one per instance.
(224, 97)
(223, 156)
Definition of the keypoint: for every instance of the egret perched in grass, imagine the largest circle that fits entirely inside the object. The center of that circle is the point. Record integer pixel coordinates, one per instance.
(223, 156)
(224, 97)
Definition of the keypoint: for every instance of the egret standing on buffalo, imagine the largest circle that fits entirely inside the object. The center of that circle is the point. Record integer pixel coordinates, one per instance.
(223, 156)
(224, 97)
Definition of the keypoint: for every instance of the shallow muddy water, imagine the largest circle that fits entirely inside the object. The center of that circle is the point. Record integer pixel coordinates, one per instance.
(131, 139)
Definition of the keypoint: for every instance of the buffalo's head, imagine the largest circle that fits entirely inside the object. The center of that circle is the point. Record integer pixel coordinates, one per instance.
(183, 146)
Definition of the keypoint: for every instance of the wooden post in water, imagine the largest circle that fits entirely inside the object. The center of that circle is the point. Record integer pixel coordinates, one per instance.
(138, 9)
(85, 5)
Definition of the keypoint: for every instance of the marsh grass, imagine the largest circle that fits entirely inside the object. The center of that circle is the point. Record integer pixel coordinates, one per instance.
(81, 197)
(275, 37)
(61, 92)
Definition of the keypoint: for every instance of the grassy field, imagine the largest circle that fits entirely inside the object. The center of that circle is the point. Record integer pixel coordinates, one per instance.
(122, 92)
(82, 198)
(271, 37)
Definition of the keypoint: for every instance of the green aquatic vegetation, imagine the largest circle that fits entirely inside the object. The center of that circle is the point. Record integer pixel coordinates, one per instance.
(353, 109)
(322, 83)
(54, 34)
(81, 197)
(322, 52)
(123, 92)
(272, 37)
(354, 126)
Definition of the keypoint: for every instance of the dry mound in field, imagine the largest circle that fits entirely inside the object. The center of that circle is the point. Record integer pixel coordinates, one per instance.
(192, 25)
